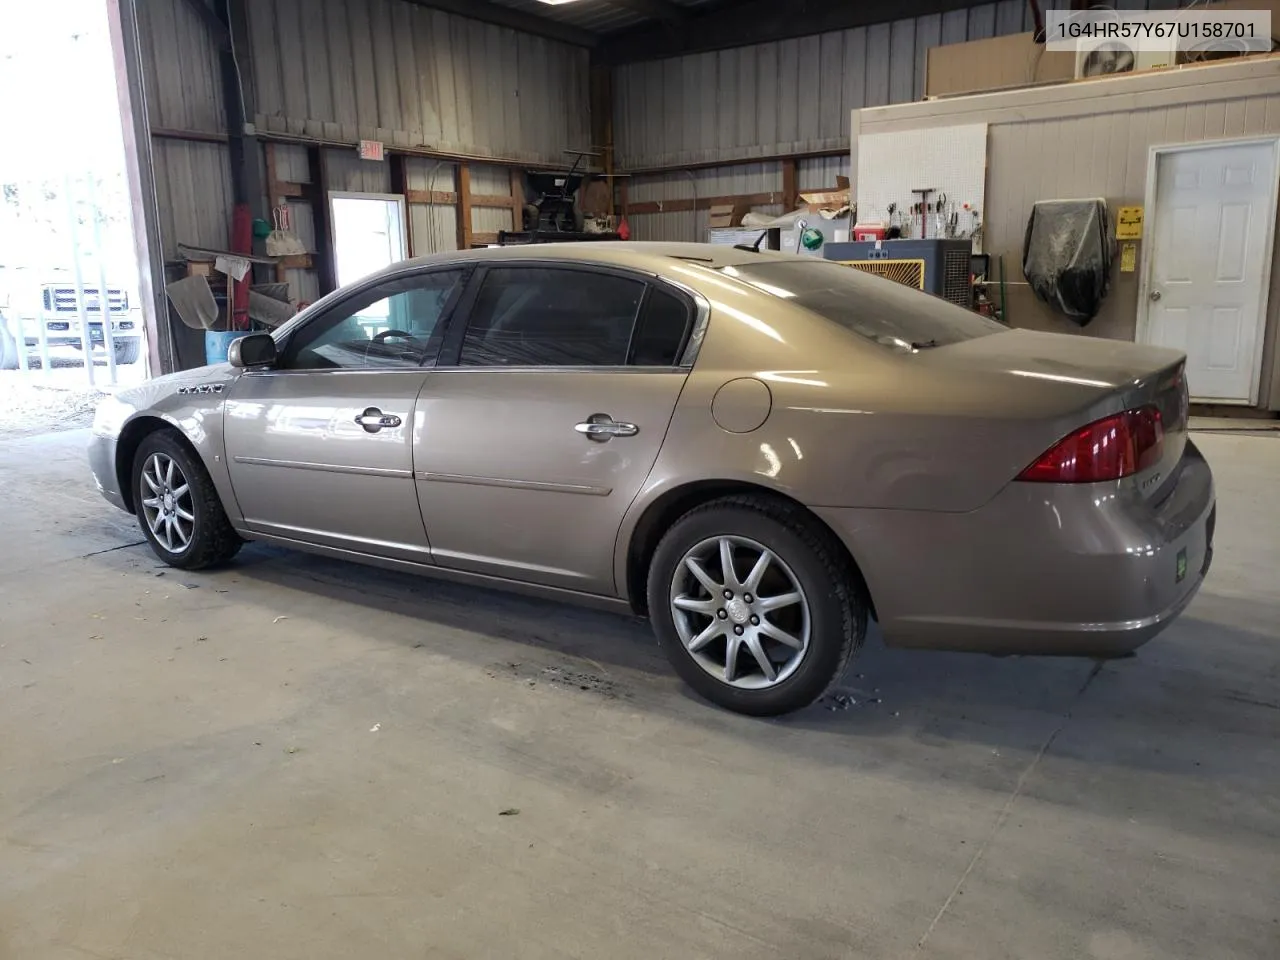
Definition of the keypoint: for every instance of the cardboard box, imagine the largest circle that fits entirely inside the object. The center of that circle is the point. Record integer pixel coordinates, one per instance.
(1017, 60)
(999, 62)
(827, 200)
(727, 214)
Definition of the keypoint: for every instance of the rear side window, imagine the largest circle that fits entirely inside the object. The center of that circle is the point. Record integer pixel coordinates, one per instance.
(662, 331)
(880, 310)
(546, 317)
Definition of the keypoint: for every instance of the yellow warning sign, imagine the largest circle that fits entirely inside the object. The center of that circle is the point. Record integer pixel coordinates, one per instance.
(1129, 223)
(1128, 257)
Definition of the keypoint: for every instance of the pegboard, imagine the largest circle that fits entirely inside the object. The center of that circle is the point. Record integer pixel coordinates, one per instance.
(951, 160)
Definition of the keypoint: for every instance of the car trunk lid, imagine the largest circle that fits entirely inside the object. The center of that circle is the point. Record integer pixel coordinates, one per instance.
(1067, 382)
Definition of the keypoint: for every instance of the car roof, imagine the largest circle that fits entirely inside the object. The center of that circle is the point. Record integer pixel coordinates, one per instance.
(641, 254)
(652, 258)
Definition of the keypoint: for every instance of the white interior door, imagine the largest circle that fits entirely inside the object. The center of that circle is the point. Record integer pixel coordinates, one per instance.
(368, 233)
(1211, 230)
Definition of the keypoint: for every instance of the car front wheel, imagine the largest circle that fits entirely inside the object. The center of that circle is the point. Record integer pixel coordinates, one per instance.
(755, 605)
(178, 507)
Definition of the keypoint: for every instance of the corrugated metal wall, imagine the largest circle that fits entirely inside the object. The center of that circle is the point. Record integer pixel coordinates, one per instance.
(184, 92)
(193, 191)
(433, 226)
(785, 97)
(789, 96)
(182, 76)
(346, 171)
(348, 69)
(411, 76)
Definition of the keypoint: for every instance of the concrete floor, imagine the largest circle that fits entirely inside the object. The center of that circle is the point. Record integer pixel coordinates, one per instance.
(296, 758)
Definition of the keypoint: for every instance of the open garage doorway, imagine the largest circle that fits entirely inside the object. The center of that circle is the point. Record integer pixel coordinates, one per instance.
(71, 320)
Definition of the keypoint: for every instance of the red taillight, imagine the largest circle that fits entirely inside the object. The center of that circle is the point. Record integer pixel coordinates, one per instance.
(1107, 449)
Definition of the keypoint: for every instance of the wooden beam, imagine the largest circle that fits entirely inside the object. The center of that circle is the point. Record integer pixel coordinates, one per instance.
(702, 203)
(464, 206)
(517, 198)
(269, 152)
(193, 136)
(483, 239)
(277, 136)
(500, 200)
(790, 184)
(842, 151)
(446, 198)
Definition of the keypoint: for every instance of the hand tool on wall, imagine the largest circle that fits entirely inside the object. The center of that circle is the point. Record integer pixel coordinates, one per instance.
(924, 193)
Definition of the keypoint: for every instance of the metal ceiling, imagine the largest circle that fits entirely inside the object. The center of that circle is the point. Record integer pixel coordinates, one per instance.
(603, 16)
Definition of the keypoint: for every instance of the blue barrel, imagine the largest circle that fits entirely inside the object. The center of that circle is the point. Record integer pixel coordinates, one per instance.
(218, 342)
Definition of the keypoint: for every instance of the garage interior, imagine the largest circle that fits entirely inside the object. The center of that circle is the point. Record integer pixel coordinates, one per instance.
(297, 757)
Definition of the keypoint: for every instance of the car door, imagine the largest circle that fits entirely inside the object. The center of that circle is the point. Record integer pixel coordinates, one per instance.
(541, 422)
(320, 447)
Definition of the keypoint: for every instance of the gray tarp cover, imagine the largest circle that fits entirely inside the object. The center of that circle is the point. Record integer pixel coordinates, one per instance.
(1067, 255)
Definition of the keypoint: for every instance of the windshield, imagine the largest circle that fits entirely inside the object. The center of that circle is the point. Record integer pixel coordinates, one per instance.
(881, 310)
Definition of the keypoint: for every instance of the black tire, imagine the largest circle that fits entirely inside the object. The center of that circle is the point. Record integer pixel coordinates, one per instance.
(128, 350)
(837, 603)
(212, 541)
(8, 348)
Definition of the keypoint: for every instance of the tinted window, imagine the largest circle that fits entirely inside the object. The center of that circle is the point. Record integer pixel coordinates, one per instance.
(541, 317)
(878, 309)
(660, 334)
(391, 325)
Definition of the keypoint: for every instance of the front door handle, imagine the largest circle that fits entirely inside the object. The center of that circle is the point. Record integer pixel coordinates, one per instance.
(374, 420)
(602, 428)
(1155, 295)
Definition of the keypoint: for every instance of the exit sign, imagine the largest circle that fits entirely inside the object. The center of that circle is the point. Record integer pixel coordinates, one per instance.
(371, 150)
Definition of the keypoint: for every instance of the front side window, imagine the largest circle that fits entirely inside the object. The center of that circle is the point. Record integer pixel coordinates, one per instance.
(881, 310)
(549, 317)
(390, 326)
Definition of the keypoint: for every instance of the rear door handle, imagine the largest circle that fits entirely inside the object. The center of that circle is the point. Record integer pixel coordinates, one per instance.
(602, 428)
(374, 420)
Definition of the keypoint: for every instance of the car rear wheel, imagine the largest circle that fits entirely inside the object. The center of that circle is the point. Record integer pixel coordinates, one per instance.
(755, 605)
(178, 507)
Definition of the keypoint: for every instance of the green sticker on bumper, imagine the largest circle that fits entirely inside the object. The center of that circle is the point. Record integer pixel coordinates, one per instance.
(1182, 565)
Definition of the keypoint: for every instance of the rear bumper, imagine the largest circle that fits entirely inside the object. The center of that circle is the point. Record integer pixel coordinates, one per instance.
(1087, 570)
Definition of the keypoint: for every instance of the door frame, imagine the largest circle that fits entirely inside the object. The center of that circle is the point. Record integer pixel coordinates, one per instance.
(1148, 243)
(400, 200)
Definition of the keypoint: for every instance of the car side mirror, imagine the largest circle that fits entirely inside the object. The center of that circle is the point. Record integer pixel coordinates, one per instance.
(253, 350)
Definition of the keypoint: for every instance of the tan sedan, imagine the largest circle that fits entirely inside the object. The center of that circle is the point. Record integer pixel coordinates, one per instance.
(758, 451)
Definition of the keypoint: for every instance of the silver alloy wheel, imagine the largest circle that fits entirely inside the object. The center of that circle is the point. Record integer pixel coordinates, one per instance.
(750, 632)
(167, 506)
